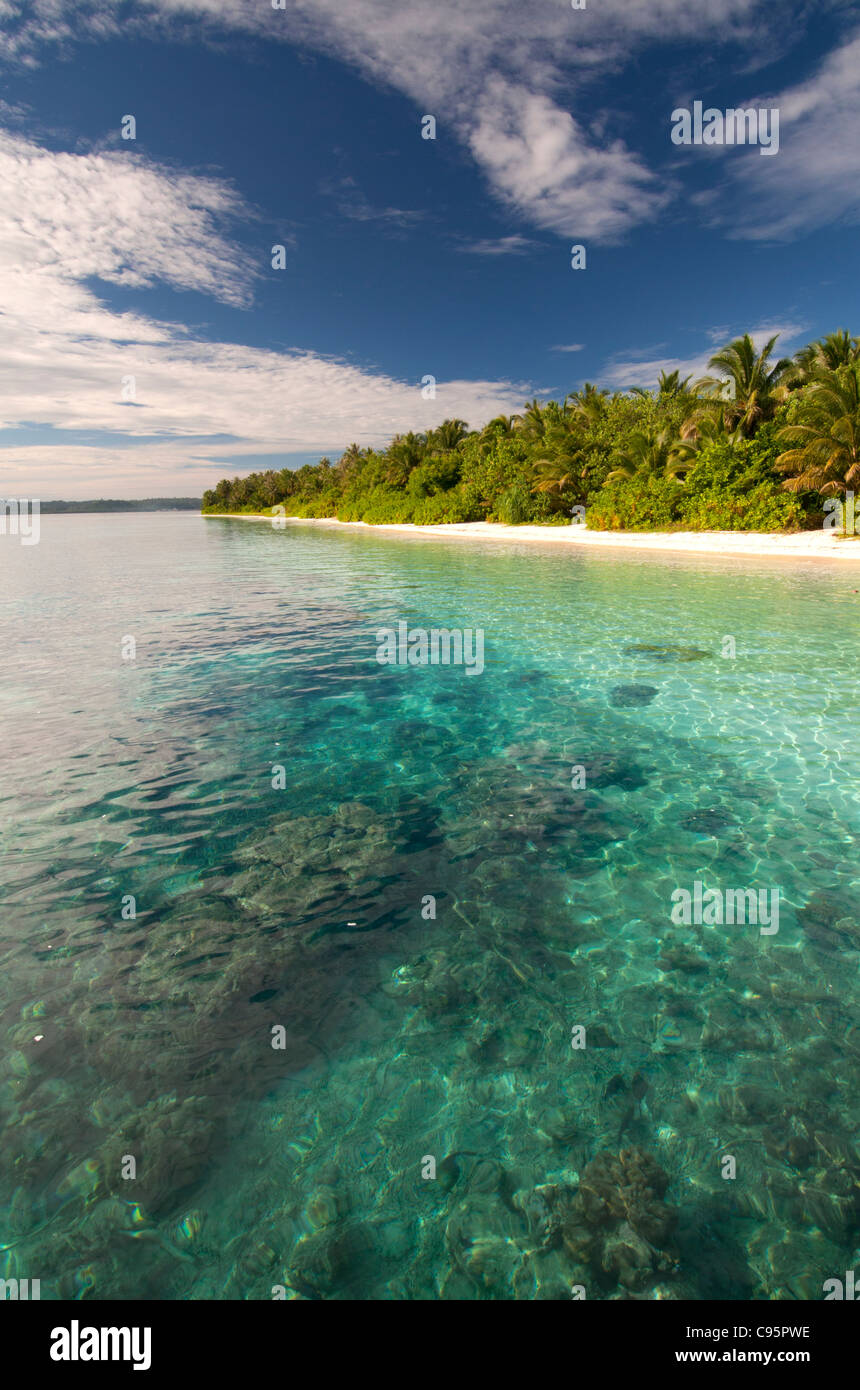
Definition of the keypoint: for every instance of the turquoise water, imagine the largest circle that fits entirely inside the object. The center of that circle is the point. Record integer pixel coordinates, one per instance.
(409, 1037)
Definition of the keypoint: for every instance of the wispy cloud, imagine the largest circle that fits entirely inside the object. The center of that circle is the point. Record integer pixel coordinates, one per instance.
(67, 221)
(568, 347)
(493, 73)
(10, 114)
(814, 180)
(540, 161)
(353, 204)
(635, 369)
(65, 218)
(499, 246)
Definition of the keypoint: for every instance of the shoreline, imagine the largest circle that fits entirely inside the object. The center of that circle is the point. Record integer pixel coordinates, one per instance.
(802, 545)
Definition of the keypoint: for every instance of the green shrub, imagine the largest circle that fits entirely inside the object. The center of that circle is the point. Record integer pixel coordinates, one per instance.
(534, 468)
(733, 487)
(446, 508)
(515, 505)
(491, 472)
(763, 508)
(649, 503)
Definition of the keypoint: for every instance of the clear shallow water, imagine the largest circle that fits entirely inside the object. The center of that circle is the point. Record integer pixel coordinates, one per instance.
(407, 1038)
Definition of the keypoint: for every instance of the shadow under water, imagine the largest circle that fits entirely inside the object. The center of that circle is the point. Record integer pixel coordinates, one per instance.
(411, 1017)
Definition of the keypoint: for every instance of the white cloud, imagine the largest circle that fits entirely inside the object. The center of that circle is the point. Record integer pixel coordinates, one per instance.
(645, 371)
(499, 246)
(814, 179)
(353, 204)
(568, 347)
(538, 158)
(498, 74)
(66, 219)
(509, 81)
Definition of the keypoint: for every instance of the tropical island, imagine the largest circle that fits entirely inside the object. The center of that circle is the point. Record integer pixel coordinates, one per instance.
(760, 445)
(125, 504)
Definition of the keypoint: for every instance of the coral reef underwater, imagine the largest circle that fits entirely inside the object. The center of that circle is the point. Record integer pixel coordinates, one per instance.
(332, 1090)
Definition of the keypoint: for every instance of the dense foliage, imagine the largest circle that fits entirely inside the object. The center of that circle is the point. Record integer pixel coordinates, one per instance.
(141, 504)
(757, 446)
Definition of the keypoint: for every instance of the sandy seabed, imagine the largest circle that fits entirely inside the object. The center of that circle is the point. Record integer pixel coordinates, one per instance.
(822, 545)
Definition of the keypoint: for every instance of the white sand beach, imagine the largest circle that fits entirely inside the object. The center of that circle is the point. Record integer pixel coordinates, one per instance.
(809, 545)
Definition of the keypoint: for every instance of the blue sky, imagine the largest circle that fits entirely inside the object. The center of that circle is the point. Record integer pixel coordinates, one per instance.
(148, 347)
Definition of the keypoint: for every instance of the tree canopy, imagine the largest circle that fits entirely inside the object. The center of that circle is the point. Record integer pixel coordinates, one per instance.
(758, 443)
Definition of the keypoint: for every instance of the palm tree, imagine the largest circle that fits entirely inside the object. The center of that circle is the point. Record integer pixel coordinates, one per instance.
(555, 474)
(704, 427)
(561, 464)
(555, 416)
(670, 384)
(586, 406)
(532, 422)
(644, 449)
(349, 460)
(826, 434)
(500, 427)
(447, 435)
(838, 349)
(404, 453)
(749, 391)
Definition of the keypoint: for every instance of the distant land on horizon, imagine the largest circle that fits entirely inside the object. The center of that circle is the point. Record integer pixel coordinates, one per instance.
(113, 504)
